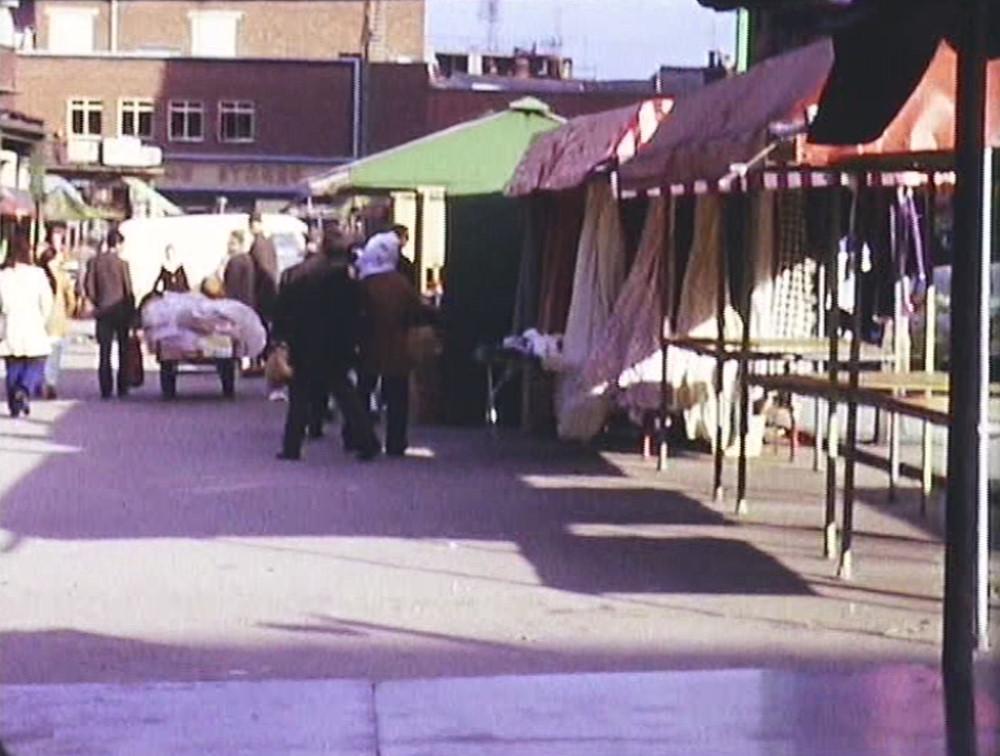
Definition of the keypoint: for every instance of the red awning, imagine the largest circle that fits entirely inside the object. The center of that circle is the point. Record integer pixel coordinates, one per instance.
(926, 123)
(15, 203)
(565, 157)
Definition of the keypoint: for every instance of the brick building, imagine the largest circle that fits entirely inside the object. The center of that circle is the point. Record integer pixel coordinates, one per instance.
(237, 99)
(19, 133)
(298, 29)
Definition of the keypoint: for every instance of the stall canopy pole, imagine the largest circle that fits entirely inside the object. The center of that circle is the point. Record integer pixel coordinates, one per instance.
(930, 341)
(965, 382)
(749, 265)
(833, 366)
(983, 442)
(720, 360)
(845, 570)
(666, 326)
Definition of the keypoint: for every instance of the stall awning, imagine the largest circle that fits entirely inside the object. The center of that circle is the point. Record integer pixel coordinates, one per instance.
(154, 204)
(475, 157)
(566, 157)
(728, 122)
(15, 203)
(926, 122)
(64, 203)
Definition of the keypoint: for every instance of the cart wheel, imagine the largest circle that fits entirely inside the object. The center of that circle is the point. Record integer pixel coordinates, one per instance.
(227, 374)
(168, 380)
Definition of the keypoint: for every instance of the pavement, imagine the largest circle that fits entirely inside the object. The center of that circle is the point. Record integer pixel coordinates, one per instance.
(167, 586)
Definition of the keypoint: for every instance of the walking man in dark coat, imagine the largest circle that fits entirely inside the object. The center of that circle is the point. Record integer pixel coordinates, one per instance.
(108, 285)
(316, 314)
(238, 278)
(265, 260)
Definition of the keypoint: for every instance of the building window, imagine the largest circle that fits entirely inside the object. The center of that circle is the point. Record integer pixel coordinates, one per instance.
(213, 33)
(135, 118)
(187, 121)
(71, 30)
(85, 117)
(236, 121)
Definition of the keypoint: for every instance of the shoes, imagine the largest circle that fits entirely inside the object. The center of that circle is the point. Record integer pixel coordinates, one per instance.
(50, 393)
(368, 453)
(395, 452)
(284, 456)
(19, 404)
(278, 395)
(316, 433)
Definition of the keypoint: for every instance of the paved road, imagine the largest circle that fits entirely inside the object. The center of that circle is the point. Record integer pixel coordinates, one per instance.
(146, 541)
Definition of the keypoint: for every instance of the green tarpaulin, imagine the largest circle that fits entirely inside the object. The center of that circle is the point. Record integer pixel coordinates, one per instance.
(473, 158)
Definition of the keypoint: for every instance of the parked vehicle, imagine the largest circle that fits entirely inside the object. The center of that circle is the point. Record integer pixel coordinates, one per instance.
(199, 243)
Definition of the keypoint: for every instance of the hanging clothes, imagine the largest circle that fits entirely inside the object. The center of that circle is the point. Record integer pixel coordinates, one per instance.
(597, 281)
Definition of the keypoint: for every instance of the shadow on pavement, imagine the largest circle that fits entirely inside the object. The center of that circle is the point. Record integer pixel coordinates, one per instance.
(151, 470)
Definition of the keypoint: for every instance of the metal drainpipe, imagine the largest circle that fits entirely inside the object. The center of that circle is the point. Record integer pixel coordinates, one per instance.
(113, 31)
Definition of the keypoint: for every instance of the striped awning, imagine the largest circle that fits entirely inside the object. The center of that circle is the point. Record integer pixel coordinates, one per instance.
(16, 203)
(794, 179)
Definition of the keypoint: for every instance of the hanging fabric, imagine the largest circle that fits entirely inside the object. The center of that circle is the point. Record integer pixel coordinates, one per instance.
(697, 318)
(762, 295)
(597, 281)
(626, 362)
(559, 249)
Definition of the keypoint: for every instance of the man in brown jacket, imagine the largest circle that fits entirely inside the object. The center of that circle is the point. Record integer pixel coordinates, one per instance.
(391, 307)
(108, 286)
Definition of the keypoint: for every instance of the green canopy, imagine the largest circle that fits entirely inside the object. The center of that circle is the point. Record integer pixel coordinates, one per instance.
(147, 202)
(63, 203)
(475, 157)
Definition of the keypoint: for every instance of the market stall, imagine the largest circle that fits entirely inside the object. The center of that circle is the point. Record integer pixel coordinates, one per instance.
(447, 188)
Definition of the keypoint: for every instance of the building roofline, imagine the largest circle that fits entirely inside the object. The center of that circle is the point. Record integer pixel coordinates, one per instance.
(155, 55)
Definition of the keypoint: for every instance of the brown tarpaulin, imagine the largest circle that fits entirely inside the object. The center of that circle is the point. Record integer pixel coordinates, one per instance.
(727, 122)
(564, 158)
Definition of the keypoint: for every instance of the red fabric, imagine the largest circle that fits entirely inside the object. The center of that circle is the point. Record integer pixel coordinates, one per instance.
(927, 120)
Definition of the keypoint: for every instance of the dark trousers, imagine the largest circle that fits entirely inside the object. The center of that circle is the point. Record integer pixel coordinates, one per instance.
(111, 327)
(25, 378)
(396, 398)
(307, 397)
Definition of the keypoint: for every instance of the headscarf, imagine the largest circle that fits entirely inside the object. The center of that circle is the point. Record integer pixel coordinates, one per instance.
(380, 255)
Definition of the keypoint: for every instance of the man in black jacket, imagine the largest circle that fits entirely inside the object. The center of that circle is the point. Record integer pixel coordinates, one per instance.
(265, 259)
(108, 285)
(316, 314)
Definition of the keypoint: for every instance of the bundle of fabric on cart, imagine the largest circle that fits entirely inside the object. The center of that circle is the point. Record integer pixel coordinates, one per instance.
(194, 324)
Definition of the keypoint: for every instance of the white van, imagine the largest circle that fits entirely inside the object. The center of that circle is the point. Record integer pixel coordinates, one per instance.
(200, 243)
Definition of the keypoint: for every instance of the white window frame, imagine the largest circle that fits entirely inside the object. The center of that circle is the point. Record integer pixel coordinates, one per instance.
(238, 107)
(81, 18)
(186, 107)
(88, 105)
(137, 106)
(202, 46)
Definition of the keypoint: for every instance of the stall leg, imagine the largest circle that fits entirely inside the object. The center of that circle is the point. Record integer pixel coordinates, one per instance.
(168, 379)
(227, 376)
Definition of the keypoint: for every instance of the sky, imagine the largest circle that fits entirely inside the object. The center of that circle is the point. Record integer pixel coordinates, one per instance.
(607, 39)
